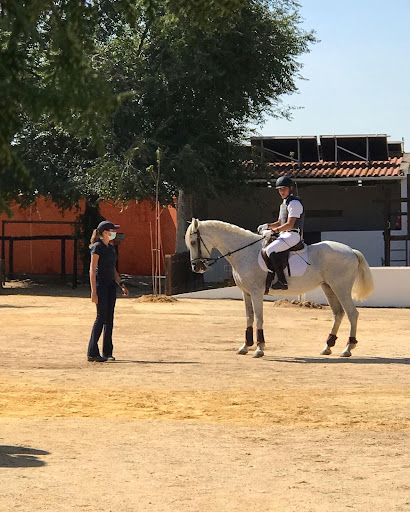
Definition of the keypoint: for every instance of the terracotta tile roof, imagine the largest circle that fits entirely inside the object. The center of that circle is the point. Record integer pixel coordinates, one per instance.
(360, 169)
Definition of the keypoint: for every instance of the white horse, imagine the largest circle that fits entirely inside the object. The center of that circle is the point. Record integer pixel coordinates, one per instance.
(342, 272)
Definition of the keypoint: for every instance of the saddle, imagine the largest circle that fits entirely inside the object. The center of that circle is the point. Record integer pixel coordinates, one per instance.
(282, 259)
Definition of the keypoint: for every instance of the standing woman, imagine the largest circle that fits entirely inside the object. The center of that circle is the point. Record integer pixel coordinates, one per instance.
(104, 279)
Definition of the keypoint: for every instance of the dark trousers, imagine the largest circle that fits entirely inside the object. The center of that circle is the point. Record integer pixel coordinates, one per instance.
(107, 295)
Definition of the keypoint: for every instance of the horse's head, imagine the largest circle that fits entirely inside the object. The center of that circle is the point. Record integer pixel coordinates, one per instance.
(198, 252)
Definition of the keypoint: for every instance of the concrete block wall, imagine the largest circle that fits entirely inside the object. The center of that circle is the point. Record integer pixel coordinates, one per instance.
(391, 290)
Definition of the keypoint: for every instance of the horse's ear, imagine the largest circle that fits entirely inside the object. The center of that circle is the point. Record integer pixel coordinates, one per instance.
(195, 223)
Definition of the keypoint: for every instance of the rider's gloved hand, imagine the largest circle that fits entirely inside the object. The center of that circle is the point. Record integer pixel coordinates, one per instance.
(262, 227)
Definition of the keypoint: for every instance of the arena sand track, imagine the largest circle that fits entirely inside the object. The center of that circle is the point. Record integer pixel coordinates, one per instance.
(181, 423)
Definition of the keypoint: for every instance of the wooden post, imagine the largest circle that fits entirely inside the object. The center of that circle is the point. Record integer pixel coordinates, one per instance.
(75, 263)
(168, 274)
(62, 257)
(2, 274)
(3, 248)
(386, 235)
(11, 266)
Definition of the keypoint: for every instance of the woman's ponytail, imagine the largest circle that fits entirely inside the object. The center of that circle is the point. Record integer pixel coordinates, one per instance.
(94, 237)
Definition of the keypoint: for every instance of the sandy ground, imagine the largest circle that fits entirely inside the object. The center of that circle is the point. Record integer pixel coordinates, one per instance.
(181, 423)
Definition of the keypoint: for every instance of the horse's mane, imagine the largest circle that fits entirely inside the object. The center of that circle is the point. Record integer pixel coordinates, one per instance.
(221, 225)
(227, 227)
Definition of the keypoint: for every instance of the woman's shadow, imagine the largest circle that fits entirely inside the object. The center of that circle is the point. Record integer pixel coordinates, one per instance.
(21, 457)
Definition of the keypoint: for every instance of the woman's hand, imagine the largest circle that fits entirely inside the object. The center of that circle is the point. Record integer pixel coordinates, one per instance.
(262, 227)
(124, 290)
(94, 297)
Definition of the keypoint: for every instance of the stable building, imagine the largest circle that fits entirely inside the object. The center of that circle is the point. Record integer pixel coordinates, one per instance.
(355, 188)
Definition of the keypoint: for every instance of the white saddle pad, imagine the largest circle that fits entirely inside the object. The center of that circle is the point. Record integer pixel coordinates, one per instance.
(298, 262)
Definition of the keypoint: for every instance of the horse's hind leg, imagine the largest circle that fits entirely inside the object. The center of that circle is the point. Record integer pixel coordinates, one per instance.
(346, 300)
(338, 314)
(249, 325)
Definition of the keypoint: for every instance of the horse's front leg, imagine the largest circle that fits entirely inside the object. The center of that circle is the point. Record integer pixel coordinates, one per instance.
(257, 302)
(249, 324)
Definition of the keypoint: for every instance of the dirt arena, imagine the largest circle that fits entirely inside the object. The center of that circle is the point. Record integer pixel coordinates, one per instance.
(181, 423)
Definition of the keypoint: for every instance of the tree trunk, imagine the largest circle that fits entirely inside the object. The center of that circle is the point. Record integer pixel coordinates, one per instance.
(89, 221)
(184, 215)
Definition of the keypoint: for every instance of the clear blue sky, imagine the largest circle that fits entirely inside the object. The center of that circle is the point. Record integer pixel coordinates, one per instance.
(358, 74)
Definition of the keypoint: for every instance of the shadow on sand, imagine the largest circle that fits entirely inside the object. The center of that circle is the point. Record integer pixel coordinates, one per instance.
(340, 360)
(21, 457)
(17, 307)
(122, 361)
(55, 286)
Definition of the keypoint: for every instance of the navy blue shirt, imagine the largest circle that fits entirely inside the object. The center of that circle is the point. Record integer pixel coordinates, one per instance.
(106, 262)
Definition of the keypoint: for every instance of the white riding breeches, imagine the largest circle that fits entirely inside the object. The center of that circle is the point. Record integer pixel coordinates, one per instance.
(286, 240)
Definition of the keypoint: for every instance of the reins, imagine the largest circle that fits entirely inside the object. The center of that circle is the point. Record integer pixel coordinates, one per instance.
(214, 260)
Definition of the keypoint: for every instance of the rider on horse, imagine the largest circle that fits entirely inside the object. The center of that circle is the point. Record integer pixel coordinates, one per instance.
(289, 228)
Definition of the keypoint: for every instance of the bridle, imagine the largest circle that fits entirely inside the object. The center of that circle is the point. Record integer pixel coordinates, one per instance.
(200, 258)
(205, 260)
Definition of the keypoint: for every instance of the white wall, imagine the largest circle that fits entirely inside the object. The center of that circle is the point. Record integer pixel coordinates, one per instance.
(369, 243)
(218, 272)
(392, 290)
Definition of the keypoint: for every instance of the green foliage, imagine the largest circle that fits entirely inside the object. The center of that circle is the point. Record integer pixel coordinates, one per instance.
(46, 70)
(47, 52)
(95, 88)
(57, 161)
(196, 90)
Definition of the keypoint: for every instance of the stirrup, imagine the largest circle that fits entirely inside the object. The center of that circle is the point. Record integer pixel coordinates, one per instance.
(279, 286)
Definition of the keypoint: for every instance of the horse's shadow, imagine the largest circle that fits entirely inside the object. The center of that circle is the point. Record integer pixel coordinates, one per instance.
(339, 360)
(21, 457)
(136, 361)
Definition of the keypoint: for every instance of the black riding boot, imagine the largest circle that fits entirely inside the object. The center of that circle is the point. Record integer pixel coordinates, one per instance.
(281, 283)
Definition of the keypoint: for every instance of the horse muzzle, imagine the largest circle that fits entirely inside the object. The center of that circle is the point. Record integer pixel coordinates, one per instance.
(198, 266)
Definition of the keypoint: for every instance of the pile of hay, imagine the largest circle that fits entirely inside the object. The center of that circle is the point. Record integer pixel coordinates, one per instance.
(156, 298)
(291, 303)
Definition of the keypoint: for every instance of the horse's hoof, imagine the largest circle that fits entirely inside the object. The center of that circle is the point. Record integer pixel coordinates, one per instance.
(243, 351)
(258, 353)
(347, 351)
(326, 351)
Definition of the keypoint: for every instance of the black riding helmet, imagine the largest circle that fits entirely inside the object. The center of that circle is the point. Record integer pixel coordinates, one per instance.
(284, 181)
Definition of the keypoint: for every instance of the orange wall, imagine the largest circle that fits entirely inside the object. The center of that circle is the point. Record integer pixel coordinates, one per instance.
(43, 256)
(134, 256)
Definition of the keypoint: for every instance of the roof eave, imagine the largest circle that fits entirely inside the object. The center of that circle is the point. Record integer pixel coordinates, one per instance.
(333, 180)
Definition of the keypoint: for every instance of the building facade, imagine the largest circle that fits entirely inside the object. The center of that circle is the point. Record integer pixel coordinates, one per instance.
(355, 190)
(45, 219)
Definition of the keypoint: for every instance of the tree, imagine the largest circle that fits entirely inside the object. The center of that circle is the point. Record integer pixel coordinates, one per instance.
(196, 91)
(47, 51)
(193, 89)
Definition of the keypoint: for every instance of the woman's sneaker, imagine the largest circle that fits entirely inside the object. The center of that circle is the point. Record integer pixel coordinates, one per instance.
(110, 358)
(97, 359)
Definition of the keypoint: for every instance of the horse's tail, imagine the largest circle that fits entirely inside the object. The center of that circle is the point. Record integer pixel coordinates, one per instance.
(363, 285)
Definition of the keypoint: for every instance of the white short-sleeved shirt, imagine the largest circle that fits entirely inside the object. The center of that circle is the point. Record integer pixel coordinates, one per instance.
(295, 209)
